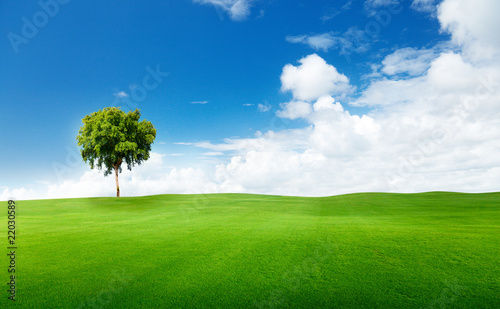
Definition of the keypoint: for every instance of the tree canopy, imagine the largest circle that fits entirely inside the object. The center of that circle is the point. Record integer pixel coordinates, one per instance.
(110, 137)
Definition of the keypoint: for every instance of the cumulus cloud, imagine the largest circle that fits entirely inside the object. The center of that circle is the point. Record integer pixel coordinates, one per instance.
(473, 26)
(432, 141)
(313, 78)
(17, 194)
(433, 124)
(294, 110)
(237, 9)
(152, 177)
(451, 74)
(448, 76)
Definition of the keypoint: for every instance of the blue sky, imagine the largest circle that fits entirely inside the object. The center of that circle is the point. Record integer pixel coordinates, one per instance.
(221, 84)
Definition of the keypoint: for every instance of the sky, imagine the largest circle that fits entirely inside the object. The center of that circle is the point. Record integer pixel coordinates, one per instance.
(309, 98)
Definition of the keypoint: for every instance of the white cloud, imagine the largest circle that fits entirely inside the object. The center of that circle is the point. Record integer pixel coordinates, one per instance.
(199, 102)
(424, 5)
(451, 74)
(429, 140)
(237, 9)
(264, 107)
(325, 103)
(473, 25)
(390, 92)
(313, 79)
(294, 110)
(17, 194)
(433, 124)
(152, 177)
(323, 41)
(409, 61)
(121, 94)
(379, 3)
(354, 40)
(213, 153)
(435, 128)
(371, 6)
(333, 12)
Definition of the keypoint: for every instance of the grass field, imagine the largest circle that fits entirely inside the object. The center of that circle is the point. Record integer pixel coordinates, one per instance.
(429, 250)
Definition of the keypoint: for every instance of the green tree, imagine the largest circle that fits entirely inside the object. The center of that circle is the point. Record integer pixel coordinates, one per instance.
(111, 137)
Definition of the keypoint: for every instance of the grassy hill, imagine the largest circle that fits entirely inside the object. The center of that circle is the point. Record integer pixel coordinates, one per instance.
(429, 250)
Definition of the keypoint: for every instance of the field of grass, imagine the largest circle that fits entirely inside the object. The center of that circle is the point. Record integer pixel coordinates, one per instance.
(429, 250)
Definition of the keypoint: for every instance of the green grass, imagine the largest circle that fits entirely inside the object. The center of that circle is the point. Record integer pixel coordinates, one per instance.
(429, 250)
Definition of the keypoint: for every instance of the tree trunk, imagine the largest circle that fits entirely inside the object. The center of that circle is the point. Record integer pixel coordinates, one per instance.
(117, 185)
(117, 166)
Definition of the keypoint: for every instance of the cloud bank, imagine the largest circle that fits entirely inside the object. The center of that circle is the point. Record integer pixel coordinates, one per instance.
(434, 124)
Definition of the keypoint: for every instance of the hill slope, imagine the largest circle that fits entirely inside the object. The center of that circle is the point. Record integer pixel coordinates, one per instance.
(374, 250)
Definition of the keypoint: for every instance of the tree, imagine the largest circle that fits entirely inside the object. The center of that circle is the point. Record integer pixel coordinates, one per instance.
(110, 137)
